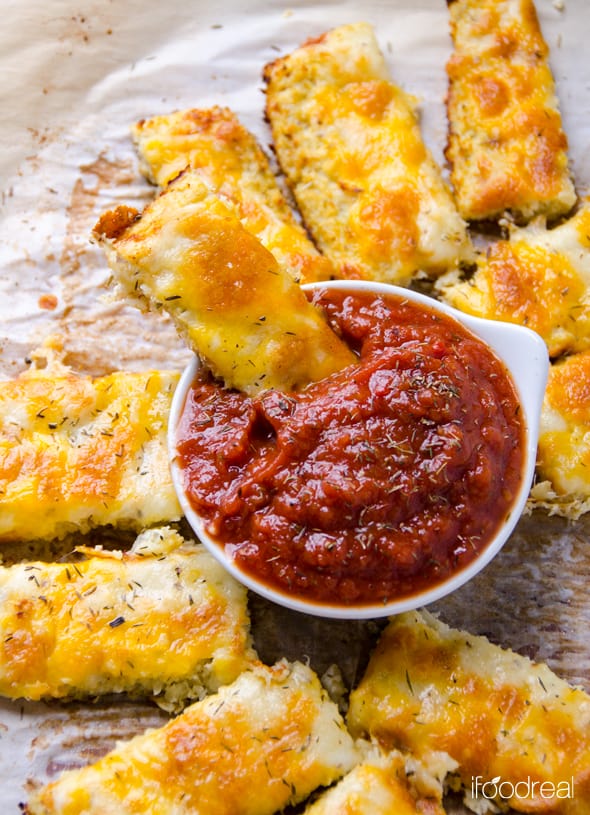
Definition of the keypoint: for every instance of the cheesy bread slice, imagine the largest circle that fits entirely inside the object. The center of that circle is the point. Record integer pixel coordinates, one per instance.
(162, 619)
(506, 145)
(383, 784)
(502, 718)
(563, 458)
(78, 452)
(349, 143)
(265, 741)
(237, 308)
(539, 278)
(214, 142)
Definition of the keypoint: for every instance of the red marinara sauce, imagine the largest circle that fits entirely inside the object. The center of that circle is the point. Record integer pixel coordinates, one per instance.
(373, 484)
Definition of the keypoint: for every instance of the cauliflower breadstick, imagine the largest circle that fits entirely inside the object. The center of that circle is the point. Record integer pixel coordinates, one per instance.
(349, 143)
(264, 742)
(162, 619)
(507, 147)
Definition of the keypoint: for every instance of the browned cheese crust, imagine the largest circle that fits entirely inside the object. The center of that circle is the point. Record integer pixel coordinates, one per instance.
(539, 278)
(349, 143)
(502, 718)
(264, 742)
(164, 618)
(506, 147)
(78, 452)
(214, 142)
(564, 436)
(383, 784)
(236, 307)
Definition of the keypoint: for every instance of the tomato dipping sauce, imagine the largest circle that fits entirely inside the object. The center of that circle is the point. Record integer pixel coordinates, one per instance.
(374, 484)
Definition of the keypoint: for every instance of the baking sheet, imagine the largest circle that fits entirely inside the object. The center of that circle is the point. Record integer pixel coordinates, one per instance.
(74, 77)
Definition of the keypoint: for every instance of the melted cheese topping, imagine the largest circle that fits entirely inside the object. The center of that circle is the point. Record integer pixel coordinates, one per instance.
(507, 148)
(233, 165)
(380, 785)
(564, 434)
(539, 278)
(256, 746)
(497, 714)
(76, 453)
(349, 143)
(237, 308)
(164, 618)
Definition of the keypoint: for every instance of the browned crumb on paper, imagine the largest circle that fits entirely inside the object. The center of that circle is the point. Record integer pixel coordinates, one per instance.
(112, 224)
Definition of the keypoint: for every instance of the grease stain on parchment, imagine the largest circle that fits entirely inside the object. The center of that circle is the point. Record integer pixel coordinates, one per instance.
(76, 734)
(82, 215)
(102, 334)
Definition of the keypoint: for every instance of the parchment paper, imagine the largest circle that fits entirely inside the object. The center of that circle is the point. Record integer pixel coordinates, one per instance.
(74, 77)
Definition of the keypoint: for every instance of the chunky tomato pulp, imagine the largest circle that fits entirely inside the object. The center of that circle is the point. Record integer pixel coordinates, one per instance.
(373, 484)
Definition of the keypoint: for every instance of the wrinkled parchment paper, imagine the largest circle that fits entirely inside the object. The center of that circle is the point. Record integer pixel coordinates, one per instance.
(74, 77)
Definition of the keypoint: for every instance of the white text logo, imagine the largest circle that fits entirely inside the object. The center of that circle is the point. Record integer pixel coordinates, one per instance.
(525, 789)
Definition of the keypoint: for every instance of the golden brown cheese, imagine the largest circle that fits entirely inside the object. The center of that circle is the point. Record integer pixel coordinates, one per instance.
(506, 146)
(564, 433)
(236, 307)
(232, 164)
(382, 785)
(164, 619)
(350, 145)
(502, 718)
(77, 452)
(259, 744)
(539, 278)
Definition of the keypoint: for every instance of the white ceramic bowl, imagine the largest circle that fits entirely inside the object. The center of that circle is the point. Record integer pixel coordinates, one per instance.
(523, 353)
